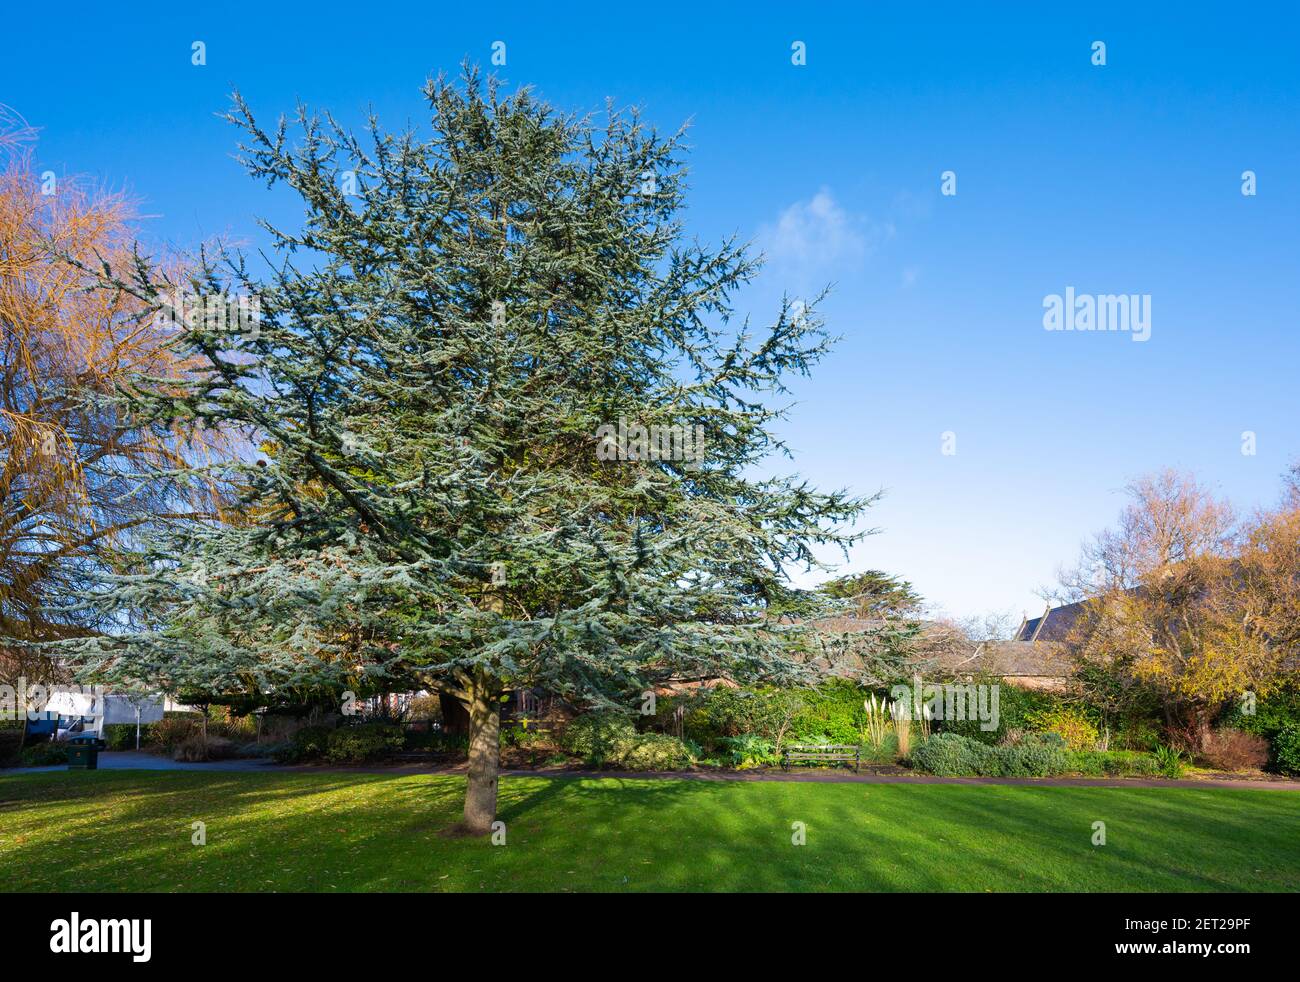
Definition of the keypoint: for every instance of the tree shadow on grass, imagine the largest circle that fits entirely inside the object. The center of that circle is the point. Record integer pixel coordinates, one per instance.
(335, 831)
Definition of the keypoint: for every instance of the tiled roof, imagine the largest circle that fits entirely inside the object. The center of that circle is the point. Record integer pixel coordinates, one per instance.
(1054, 625)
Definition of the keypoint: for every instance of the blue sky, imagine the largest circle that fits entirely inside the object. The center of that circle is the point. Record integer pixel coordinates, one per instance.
(1122, 178)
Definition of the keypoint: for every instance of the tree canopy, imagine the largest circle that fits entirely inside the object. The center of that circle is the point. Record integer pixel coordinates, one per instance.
(512, 432)
(80, 480)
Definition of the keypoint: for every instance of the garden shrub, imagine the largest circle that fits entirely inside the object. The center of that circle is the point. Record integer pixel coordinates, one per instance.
(1235, 750)
(307, 743)
(829, 713)
(1272, 713)
(239, 729)
(595, 736)
(194, 748)
(173, 729)
(44, 754)
(1137, 734)
(1170, 761)
(886, 753)
(1015, 706)
(267, 748)
(436, 741)
(11, 738)
(519, 735)
(1286, 750)
(611, 739)
(953, 755)
(715, 714)
(1037, 755)
(121, 736)
(1273, 716)
(1112, 763)
(1070, 723)
(355, 744)
(1129, 710)
(832, 711)
(653, 752)
(750, 750)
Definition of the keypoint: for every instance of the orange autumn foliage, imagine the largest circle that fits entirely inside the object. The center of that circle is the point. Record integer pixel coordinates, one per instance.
(73, 491)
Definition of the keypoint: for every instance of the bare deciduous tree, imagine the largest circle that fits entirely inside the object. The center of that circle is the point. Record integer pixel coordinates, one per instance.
(1184, 596)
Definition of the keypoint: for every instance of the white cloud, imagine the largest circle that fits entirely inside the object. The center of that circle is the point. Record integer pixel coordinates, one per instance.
(818, 234)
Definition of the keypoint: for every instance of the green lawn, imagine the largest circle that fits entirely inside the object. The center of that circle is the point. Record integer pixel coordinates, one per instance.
(131, 830)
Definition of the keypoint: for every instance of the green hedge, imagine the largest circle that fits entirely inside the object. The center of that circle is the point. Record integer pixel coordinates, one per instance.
(953, 755)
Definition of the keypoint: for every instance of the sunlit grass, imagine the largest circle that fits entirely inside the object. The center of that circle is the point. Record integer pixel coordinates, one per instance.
(132, 830)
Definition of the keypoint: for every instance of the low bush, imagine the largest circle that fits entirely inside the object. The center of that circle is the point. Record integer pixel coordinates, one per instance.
(47, 753)
(121, 736)
(269, 749)
(173, 730)
(1170, 761)
(195, 748)
(595, 737)
(953, 755)
(653, 752)
(437, 742)
(307, 743)
(355, 744)
(239, 729)
(750, 750)
(886, 753)
(1235, 750)
(522, 735)
(1037, 755)
(1286, 750)
(11, 741)
(603, 739)
(1137, 734)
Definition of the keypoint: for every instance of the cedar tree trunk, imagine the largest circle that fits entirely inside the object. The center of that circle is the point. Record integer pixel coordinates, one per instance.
(484, 758)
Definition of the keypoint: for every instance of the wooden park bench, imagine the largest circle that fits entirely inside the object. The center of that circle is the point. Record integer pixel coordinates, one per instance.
(822, 753)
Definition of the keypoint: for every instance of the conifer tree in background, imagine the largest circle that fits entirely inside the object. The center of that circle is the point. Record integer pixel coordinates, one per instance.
(441, 347)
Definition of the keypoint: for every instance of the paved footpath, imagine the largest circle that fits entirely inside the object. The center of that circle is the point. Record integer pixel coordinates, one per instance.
(131, 760)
